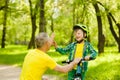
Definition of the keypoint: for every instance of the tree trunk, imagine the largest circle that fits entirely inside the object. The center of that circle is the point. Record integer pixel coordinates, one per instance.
(2, 7)
(32, 40)
(109, 16)
(101, 37)
(3, 37)
(52, 23)
(4, 25)
(33, 21)
(117, 37)
(42, 17)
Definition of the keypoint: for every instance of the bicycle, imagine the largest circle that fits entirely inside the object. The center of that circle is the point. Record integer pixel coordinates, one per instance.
(78, 75)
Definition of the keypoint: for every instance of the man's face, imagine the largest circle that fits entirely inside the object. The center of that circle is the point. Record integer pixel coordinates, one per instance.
(79, 34)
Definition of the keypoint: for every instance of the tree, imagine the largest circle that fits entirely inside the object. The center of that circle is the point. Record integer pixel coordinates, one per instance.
(111, 18)
(52, 23)
(101, 37)
(117, 38)
(2, 7)
(4, 24)
(33, 12)
(42, 21)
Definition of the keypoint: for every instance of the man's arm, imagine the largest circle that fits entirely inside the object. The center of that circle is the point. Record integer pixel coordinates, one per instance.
(67, 67)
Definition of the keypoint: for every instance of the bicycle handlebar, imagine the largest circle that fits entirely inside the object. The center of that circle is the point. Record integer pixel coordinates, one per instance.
(69, 61)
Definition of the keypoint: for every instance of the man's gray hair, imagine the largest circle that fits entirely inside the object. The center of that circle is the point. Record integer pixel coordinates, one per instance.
(41, 38)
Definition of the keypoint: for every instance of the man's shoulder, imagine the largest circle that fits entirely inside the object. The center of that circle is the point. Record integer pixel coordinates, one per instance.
(36, 52)
(31, 50)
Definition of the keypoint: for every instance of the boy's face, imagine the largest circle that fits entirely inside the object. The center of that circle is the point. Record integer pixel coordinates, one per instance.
(79, 34)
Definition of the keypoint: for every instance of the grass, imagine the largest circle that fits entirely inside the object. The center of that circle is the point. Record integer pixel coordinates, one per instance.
(13, 55)
(105, 67)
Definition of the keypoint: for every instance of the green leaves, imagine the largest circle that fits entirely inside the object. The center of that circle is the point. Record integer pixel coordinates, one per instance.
(62, 14)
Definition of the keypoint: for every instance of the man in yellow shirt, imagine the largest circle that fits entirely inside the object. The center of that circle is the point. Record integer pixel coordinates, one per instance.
(36, 62)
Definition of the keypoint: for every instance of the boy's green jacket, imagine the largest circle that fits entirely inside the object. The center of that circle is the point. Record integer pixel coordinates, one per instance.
(71, 48)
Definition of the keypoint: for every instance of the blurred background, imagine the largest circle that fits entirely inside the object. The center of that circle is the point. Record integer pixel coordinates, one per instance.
(21, 20)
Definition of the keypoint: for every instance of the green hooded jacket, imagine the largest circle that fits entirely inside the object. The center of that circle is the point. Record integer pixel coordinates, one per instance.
(71, 48)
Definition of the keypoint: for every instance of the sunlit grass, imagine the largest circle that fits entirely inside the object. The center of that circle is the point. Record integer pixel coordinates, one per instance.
(13, 54)
(13, 49)
(105, 67)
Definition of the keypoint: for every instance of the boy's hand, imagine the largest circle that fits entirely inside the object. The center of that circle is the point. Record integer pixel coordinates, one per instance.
(87, 58)
(52, 36)
(54, 44)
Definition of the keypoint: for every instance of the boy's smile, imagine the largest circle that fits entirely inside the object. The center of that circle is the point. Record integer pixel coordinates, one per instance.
(79, 34)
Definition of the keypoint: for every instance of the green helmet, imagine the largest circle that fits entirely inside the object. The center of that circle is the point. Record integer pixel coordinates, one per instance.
(81, 26)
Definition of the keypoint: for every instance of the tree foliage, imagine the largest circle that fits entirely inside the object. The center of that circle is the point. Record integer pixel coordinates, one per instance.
(59, 16)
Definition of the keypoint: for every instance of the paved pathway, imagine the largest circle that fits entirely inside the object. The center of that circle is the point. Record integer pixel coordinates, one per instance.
(9, 72)
(12, 73)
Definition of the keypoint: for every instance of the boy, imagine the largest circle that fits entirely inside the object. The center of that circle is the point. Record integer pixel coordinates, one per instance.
(80, 48)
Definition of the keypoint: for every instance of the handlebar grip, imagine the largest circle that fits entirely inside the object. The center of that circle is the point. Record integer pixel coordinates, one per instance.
(67, 61)
(63, 61)
(90, 58)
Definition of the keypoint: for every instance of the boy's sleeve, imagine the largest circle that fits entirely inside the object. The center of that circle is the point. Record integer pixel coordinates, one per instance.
(64, 50)
(93, 53)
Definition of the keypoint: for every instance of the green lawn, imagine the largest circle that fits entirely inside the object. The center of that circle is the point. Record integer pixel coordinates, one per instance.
(13, 55)
(105, 67)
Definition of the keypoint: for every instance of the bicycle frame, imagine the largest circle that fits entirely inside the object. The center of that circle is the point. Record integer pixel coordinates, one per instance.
(78, 70)
(78, 74)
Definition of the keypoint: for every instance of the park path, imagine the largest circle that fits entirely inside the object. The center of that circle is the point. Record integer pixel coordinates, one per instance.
(8, 72)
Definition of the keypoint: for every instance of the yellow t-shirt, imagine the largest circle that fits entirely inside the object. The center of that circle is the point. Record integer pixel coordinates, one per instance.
(35, 64)
(79, 50)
